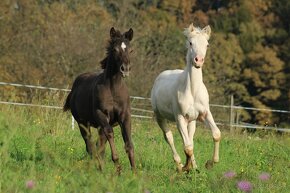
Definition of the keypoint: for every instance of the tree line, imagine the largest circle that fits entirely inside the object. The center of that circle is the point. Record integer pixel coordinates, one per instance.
(49, 42)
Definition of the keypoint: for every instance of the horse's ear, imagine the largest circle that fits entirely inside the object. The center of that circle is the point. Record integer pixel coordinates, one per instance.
(112, 32)
(207, 31)
(129, 34)
(191, 28)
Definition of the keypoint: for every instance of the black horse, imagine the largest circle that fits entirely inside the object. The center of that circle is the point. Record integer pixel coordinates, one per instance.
(102, 100)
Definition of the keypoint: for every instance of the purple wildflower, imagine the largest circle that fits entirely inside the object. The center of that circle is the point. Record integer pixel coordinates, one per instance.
(229, 174)
(245, 186)
(264, 176)
(29, 184)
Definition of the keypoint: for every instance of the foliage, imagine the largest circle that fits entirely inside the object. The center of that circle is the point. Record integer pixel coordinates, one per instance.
(221, 70)
(263, 78)
(50, 42)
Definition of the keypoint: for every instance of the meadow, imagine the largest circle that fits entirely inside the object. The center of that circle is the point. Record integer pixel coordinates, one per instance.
(39, 152)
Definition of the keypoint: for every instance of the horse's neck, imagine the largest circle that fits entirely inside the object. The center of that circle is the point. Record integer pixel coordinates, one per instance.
(112, 74)
(193, 78)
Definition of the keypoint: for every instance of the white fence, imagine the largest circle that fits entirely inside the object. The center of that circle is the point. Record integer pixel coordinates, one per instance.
(141, 108)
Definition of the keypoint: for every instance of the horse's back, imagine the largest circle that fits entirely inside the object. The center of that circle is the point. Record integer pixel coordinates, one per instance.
(164, 91)
(85, 78)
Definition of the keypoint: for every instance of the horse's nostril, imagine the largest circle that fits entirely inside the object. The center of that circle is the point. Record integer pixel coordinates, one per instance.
(199, 59)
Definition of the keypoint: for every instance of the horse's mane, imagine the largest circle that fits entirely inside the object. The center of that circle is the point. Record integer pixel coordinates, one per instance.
(104, 63)
(191, 33)
(109, 48)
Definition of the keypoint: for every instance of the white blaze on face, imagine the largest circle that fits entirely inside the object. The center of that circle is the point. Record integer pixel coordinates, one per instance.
(123, 46)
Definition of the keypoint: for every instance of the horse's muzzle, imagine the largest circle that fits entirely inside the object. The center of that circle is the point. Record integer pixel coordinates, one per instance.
(198, 61)
(196, 65)
(125, 70)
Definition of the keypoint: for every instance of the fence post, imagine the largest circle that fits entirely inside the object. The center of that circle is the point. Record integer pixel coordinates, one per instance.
(72, 123)
(232, 115)
(237, 121)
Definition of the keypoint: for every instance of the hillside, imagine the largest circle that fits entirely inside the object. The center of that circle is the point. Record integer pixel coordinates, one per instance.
(50, 42)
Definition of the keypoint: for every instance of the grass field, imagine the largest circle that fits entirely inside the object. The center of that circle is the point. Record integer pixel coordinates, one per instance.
(39, 152)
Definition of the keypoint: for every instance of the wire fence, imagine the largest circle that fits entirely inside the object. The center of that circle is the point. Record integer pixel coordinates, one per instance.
(141, 108)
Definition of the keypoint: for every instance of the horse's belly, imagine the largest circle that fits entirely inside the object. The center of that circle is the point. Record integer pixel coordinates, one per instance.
(163, 94)
(165, 110)
(162, 102)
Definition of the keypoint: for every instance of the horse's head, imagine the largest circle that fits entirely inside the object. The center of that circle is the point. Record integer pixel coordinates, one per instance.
(120, 48)
(197, 43)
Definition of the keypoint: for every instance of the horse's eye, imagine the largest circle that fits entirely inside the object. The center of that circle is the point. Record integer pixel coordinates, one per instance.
(131, 51)
(190, 43)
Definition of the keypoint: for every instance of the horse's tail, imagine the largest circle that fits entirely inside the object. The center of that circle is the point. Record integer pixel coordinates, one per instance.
(66, 105)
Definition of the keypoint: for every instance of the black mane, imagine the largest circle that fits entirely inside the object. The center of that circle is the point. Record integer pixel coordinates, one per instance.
(110, 47)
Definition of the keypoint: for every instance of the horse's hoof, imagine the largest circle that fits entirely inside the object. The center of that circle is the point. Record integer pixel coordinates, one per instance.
(100, 167)
(134, 171)
(179, 167)
(186, 169)
(209, 164)
(118, 170)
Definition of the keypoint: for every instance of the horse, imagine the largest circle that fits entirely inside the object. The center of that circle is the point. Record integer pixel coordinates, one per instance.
(181, 96)
(101, 100)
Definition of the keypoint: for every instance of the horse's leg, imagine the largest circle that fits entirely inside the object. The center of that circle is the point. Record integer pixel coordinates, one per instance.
(188, 144)
(90, 147)
(125, 125)
(86, 134)
(191, 130)
(216, 138)
(108, 131)
(169, 139)
(101, 143)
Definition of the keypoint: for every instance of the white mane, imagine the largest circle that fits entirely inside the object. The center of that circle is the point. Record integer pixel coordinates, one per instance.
(192, 31)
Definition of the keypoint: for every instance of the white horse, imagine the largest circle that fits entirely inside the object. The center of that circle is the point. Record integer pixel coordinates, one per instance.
(181, 96)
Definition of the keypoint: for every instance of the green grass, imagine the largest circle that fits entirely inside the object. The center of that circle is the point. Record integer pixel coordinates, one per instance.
(39, 145)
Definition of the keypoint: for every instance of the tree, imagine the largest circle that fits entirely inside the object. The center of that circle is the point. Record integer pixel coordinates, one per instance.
(263, 77)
